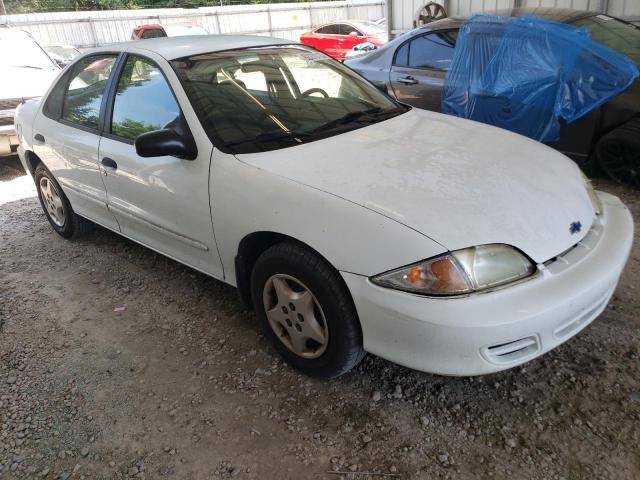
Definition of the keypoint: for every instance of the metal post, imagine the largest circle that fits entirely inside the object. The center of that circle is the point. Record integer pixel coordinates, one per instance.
(3, 10)
(269, 20)
(94, 34)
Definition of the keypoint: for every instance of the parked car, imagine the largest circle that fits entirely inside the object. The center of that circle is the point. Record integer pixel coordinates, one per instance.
(413, 68)
(179, 29)
(349, 222)
(26, 71)
(61, 53)
(338, 38)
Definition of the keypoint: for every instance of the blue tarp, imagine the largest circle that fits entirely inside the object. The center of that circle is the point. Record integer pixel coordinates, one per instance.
(524, 74)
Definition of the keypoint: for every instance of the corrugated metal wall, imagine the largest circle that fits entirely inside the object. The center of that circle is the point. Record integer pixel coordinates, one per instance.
(285, 20)
(404, 12)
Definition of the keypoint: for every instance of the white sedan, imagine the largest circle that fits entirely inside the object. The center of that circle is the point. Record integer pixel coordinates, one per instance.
(349, 222)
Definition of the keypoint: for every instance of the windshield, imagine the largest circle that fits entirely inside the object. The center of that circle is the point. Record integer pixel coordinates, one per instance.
(65, 53)
(617, 35)
(371, 28)
(184, 30)
(261, 99)
(22, 51)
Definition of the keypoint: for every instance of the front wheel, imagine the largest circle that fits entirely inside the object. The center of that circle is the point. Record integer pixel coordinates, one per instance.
(306, 311)
(56, 206)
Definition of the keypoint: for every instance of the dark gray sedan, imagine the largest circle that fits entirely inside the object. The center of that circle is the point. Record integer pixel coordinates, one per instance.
(413, 67)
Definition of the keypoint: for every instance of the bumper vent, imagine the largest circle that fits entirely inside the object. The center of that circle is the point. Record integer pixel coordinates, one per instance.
(512, 351)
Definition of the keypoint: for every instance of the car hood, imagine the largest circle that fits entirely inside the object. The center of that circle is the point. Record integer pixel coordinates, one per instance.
(459, 182)
(21, 82)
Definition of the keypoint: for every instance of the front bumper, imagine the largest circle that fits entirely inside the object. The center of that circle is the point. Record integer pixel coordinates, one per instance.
(488, 332)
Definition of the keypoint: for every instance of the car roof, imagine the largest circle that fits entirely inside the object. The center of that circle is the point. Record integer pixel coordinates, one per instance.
(562, 15)
(178, 47)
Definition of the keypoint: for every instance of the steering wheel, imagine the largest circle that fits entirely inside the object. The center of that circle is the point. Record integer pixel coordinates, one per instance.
(311, 91)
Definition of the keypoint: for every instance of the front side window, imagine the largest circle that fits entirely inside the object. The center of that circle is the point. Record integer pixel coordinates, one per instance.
(261, 99)
(432, 51)
(86, 89)
(144, 101)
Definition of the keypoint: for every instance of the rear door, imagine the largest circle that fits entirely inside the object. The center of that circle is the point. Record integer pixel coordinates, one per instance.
(67, 135)
(161, 202)
(419, 68)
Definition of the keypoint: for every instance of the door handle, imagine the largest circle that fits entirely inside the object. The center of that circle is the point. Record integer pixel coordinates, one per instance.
(38, 138)
(109, 163)
(408, 80)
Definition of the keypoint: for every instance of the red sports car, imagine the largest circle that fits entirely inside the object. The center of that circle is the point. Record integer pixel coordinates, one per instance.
(337, 38)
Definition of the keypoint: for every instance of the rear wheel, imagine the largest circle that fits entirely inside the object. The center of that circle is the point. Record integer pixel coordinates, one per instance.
(306, 311)
(619, 153)
(56, 206)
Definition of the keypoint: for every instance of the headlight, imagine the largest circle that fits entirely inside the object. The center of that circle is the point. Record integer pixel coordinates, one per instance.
(593, 196)
(462, 271)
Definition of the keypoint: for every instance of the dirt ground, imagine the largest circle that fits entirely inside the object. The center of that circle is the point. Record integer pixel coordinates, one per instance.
(181, 385)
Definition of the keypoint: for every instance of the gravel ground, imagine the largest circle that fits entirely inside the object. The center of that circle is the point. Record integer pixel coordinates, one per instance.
(180, 384)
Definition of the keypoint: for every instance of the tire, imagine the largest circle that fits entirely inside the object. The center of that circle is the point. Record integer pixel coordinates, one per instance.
(322, 300)
(619, 153)
(52, 199)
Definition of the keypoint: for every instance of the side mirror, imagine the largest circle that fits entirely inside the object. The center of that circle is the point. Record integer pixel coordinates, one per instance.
(159, 143)
(353, 34)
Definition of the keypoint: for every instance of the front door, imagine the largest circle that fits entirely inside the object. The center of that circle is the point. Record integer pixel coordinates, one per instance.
(67, 136)
(419, 69)
(161, 202)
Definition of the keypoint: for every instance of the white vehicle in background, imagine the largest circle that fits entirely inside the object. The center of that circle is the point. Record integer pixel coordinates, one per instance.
(26, 71)
(348, 221)
(61, 53)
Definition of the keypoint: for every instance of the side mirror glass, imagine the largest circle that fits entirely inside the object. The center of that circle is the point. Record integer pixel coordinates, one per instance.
(353, 34)
(159, 143)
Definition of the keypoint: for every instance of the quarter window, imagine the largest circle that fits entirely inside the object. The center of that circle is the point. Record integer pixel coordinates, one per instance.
(144, 101)
(86, 89)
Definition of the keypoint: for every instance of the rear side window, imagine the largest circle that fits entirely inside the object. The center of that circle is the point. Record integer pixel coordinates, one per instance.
(329, 30)
(402, 56)
(144, 101)
(86, 89)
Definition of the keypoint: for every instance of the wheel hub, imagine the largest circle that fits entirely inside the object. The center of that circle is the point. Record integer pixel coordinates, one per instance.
(295, 316)
(52, 201)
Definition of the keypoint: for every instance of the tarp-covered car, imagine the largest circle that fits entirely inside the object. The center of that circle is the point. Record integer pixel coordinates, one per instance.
(413, 68)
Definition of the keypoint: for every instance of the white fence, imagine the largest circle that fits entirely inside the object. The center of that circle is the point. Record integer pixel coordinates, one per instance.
(285, 20)
(403, 13)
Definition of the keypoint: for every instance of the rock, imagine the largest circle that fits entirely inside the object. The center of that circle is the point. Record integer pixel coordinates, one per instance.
(11, 380)
(366, 438)
(376, 396)
(398, 392)
(84, 452)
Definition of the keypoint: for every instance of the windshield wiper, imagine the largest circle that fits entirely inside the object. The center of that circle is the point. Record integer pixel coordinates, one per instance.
(30, 66)
(273, 137)
(351, 117)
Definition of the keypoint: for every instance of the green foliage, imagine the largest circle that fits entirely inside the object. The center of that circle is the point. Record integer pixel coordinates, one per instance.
(29, 6)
